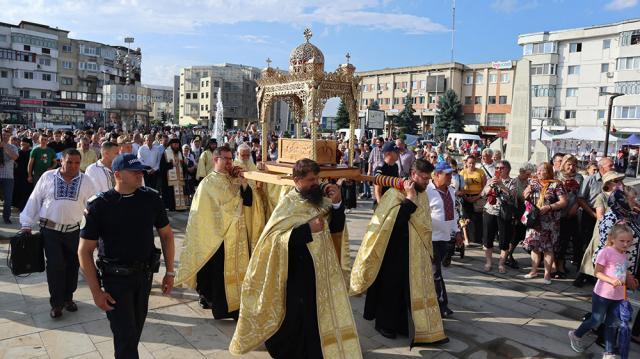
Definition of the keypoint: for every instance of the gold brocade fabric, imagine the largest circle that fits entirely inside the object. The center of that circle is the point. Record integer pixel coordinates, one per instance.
(256, 214)
(264, 290)
(175, 178)
(425, 311)
(205, 164)
(216, 217)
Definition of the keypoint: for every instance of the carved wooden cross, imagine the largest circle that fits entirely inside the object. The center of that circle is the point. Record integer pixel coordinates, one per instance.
(268, 62)
(307, 34)
(348, 56)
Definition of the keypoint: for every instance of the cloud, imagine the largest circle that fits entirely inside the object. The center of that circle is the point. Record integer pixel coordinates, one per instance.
(616, 5)
(511, 6)
(254, 39)
(187, 16)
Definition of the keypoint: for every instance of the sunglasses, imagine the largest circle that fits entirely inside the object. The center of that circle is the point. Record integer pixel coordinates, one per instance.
(500, 167)
(433, 156)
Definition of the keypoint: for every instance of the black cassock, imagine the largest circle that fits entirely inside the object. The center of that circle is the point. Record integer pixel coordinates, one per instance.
(210, 278)
(298, 336)
(388, 299)
(22, 188)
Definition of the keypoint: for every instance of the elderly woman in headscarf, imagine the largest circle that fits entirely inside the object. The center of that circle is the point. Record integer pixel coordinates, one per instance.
(624, 208)
(548, 195)
(572, 182)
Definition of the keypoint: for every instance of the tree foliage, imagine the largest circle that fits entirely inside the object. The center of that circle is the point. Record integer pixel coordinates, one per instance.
(342, 116)
(449, 117)
(406, 121)
(374, 105)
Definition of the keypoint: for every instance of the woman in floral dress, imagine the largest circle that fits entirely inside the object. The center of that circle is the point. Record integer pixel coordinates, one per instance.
(549, 196)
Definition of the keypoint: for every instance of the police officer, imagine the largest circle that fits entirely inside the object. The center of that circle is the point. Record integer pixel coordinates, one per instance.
(120, 223)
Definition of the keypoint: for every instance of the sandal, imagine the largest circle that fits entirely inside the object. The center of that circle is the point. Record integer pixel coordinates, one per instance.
(559, 275)
(487, 267)
(530, 276)
(502, 269)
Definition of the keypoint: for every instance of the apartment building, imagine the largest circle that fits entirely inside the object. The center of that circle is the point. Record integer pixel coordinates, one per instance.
(570, 70)
(484, 90)
(161, 103)
(199, 90)
(55, 79)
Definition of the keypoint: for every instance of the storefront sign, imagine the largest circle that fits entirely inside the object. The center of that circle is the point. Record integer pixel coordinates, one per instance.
(9, 103)
(63, 104)
(25, 101)
(501, 65)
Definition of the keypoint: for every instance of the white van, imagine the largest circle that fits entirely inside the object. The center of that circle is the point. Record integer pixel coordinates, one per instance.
(346, 133)
(459, 137)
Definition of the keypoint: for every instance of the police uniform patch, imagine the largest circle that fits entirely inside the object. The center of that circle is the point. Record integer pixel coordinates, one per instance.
(92, 198)
(83, 221)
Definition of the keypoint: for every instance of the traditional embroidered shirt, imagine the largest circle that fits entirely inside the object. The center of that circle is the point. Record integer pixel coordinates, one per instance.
(56, 200)
(442, 222)
(101, 176)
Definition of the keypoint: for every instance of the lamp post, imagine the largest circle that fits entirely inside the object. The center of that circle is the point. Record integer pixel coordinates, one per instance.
(606, 136)
(104, 84)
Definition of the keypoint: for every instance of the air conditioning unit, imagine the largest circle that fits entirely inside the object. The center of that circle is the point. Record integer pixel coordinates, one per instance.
(404, 90)
(610, 74)
(38, 66)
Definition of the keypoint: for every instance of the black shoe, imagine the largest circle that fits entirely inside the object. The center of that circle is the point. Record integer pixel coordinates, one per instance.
(446, 261)
(461, 250)
(55, 312)
(386, 333)
(446, 313)
(204, 303)
(580, 280)
(71, 306)
(7, 221)
(512, 263)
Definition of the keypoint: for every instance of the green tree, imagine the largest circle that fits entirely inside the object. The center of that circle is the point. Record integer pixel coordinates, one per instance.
(449, 117)
(406, 121)
(374, 105)
(342, 116)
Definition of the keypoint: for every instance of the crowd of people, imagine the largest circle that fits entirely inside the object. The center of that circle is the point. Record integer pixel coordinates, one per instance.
(251, 249)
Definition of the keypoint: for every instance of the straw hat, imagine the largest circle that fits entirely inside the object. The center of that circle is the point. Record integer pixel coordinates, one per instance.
(611, 176)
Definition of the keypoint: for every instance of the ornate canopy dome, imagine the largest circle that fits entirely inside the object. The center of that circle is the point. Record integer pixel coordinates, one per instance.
(306, 57)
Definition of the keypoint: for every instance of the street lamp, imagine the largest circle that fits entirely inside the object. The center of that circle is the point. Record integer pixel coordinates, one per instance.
(606, 138)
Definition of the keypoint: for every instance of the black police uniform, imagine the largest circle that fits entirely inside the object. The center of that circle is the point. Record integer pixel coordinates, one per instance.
(123, 226)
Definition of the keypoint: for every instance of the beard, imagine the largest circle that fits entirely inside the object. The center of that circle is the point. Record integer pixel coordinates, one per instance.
(419, 188)
(312, 195)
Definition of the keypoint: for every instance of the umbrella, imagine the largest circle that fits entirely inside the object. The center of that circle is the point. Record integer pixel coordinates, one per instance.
(624, 312)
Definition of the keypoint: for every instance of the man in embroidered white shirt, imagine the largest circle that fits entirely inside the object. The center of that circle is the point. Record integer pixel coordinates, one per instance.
(147, 156)
(57, 203)
(444, 222)
(100, 172)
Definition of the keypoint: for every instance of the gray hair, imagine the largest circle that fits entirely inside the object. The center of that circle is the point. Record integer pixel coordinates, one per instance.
(243, 146)
(527, 167)
(487, 151)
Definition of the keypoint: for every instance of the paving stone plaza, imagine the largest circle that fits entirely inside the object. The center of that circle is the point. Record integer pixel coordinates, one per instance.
(496, 316)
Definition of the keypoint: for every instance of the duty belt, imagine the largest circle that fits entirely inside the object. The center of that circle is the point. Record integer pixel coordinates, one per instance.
(64, 228)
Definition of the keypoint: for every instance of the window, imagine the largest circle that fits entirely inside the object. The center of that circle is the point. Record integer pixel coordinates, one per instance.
(626, 112)
(479, 79)
(602, 90)
(504, 78)
(28, 75)
(604, 67)
(496, 119)
(216, 83)
(543, 91)
(628, 87)
(88, 66)
(414, 85)
(27, 48)
(606, 44)
(195, 95)
(601, 114)
(491, 100)
(541, 112)
(572, 91)
(67, 65)
(397, 100)
(46, 51)
(541, 69)
(493, 78)
(478, 100)
(569, 114)
(575, 47)
(423, 84)
(67, 81)
(467, 100)
(3, 38)
(539, 48)
(43, 94)
(629, 63)
(4, 91)
(468, 80)
(66, 48)
(24, 93)
(503, 100)
(188, 97)
(46, 77)
(4, 74)
(201, 107)
(574, 70)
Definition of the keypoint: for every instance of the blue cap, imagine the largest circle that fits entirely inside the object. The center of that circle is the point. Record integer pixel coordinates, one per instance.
(443, 166)
(389, 147)
(128, 162)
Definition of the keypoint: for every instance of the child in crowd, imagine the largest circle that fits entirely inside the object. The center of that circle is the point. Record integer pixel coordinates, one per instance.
(613, 277)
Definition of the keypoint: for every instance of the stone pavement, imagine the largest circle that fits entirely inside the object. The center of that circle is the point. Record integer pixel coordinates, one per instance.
(496, 316)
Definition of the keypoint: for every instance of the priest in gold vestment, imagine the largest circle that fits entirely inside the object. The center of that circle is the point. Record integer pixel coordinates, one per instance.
(393, 264)
(294, 296)
(216, 248)
(257, 214)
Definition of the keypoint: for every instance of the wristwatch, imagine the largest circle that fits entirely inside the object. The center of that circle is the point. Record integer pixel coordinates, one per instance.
(170, 274)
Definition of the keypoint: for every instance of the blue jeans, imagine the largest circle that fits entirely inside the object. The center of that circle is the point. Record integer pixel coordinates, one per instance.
(7, 190)
(602, 310)
(367, 189)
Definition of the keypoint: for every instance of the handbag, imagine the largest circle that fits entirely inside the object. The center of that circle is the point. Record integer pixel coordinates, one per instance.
(531, 216)
(26, 253)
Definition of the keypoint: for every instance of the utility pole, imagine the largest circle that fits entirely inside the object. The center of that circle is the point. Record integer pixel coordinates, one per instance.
(606, 136)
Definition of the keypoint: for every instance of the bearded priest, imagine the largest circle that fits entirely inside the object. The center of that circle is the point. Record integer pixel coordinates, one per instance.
(215, 251)
(393, 264)
(294, 296)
